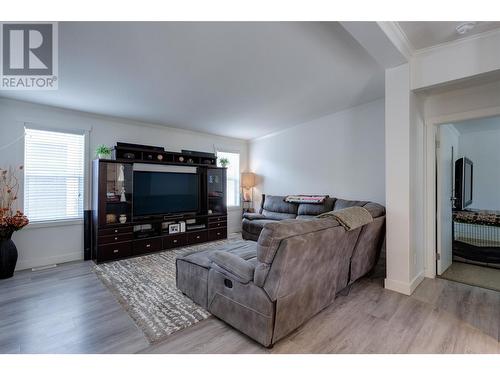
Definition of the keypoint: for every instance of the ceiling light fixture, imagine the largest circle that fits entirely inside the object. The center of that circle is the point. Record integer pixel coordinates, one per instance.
(465, 27)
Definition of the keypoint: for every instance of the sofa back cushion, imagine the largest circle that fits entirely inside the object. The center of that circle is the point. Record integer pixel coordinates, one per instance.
(316, 209)
(303, 264)
(344, 203)
(276, 208)
(274, 233)
(375, 209)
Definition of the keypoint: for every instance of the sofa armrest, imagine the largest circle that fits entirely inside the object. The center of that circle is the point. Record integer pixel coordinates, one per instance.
(253, 216)
(233, 266)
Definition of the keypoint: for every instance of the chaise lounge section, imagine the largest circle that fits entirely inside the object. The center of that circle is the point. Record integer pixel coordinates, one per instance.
(268, 288)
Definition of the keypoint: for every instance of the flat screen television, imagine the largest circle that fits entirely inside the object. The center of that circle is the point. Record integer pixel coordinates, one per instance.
(463, 183)
(165, 193)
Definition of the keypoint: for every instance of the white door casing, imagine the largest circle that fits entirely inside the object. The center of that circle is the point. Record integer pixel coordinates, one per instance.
(430, 130)
(446, 151)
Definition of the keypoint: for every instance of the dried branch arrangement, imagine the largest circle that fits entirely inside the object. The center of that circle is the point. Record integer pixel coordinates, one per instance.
(11, 220)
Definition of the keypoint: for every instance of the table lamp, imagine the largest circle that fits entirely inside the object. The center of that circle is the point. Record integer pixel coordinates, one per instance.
(247, 184)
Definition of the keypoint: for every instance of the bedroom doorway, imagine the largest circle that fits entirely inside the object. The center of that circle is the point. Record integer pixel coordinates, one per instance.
(468, 202)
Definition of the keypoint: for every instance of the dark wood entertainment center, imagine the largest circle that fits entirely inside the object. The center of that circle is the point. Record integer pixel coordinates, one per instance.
(112, 200)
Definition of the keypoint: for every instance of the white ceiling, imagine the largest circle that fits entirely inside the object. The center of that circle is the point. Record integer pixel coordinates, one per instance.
(241, 80)
(425, 34)
(479, 125)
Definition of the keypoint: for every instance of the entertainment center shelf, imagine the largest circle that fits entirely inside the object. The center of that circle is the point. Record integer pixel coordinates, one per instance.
(139, 209)
(125, 153)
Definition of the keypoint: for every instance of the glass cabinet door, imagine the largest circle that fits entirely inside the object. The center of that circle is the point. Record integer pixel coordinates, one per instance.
(117, 178)
(216, 189)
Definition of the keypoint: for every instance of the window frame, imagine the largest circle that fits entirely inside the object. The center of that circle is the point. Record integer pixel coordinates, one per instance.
(238, 152)
(60, 128)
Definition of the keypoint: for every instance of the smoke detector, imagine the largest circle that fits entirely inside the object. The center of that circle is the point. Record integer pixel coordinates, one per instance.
(465, 27)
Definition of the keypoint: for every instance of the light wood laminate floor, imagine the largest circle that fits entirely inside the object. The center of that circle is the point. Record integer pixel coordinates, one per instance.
(68, 310)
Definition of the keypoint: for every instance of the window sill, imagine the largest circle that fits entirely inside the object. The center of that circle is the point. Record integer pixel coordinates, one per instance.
(54, 223)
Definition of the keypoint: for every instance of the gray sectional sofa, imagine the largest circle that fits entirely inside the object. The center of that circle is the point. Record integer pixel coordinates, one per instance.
(274, 208)
(266, 289)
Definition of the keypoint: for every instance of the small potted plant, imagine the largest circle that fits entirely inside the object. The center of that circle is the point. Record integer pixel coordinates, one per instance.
(103, 152)
(10, 221)
(224, 162)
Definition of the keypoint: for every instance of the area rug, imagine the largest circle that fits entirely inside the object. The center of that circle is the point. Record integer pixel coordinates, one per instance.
(145, 287)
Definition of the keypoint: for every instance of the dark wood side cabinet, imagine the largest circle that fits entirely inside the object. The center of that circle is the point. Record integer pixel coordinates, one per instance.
(117, 235)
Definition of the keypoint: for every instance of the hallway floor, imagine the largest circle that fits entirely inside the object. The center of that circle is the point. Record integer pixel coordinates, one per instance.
(470, 274)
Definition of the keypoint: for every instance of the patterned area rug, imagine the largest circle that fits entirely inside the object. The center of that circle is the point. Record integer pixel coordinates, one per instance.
(145, 287)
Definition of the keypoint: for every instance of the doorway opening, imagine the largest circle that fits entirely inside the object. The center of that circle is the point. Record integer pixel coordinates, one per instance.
(468, 202)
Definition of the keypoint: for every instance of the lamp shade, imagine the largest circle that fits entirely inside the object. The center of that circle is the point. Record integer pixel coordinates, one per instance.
(248, 180)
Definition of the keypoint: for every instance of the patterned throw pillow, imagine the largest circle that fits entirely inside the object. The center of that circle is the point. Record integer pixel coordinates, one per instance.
(312, 199)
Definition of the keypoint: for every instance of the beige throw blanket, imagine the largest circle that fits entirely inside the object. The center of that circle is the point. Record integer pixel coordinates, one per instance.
(350, 218)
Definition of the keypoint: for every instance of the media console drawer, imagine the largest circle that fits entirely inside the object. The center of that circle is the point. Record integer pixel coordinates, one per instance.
(217, 234)
(217, 218)
(118, 230)
(175, 240)
(114, 251)
(146, 245)
(197, 237)
(218, 224)
(115, 238)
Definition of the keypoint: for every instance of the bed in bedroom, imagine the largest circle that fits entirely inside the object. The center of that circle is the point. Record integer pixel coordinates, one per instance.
(476, 237)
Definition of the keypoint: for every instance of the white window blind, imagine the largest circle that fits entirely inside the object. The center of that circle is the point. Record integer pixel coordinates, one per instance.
(53, 175)
(233, 177)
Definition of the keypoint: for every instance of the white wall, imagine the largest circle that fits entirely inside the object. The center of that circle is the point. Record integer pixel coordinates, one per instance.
(341, 154)
(471, 97)
(40, 246)
(483, 148)
(458, 60)
(403, 129)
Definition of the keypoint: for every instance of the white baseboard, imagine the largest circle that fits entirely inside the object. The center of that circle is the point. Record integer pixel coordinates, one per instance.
(403, 287)
(55, 259)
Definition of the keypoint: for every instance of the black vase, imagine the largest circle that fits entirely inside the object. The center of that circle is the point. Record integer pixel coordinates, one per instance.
(8, 257)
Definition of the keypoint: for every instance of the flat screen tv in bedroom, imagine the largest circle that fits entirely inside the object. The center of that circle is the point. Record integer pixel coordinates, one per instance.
(463, 183)
(165, 193)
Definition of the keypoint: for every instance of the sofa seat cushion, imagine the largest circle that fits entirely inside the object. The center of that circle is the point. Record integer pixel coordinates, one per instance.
(315, 209)
(255, 226)
(253, 216)
(278, 215)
